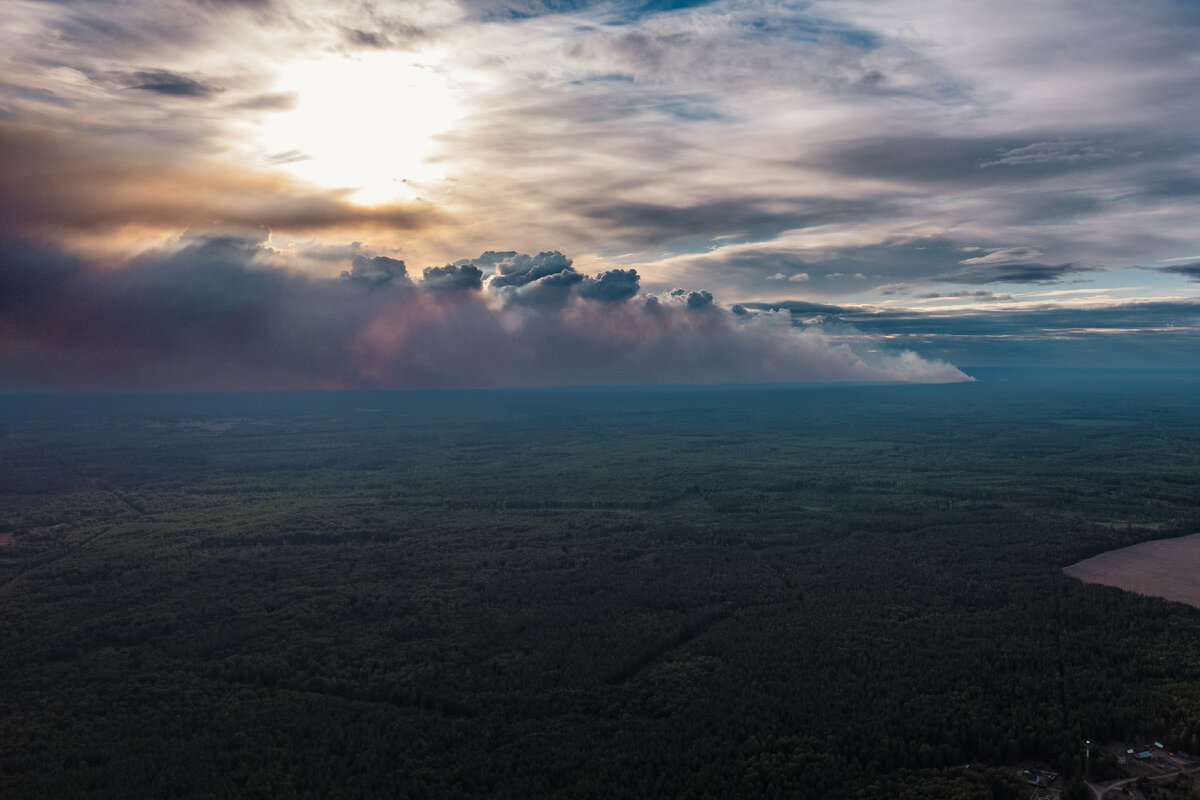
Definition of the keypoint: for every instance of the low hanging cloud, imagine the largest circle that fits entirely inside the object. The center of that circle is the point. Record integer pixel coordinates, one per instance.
(209, 313)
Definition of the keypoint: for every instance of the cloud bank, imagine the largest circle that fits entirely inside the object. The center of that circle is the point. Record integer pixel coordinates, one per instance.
(852, 153)
(211, 314)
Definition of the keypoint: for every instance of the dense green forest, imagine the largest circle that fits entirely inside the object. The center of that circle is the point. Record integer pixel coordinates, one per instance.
(787, 591)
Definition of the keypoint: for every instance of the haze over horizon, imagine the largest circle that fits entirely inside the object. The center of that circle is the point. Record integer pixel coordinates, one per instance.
(304, 194)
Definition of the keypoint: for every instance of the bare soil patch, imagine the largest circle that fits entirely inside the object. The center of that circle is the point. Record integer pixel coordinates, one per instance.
(1165, 568)
(5, 538)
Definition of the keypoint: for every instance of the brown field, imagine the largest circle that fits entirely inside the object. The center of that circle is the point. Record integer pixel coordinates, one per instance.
(5, 538)
(1164, 568)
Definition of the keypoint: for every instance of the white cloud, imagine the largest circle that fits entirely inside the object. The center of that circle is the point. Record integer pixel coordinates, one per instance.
(1007, 255)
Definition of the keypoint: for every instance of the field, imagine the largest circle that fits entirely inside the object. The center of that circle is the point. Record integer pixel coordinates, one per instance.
(1168, 568)
(782, 591)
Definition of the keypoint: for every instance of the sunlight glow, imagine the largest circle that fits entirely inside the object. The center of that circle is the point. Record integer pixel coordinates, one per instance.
(367, 123)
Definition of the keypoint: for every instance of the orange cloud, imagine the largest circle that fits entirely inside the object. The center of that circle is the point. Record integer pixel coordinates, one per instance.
(69, 187)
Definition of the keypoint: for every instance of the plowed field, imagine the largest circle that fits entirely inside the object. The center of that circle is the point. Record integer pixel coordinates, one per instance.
(1167, 568)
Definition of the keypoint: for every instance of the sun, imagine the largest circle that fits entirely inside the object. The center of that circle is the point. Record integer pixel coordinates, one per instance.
(367, 123)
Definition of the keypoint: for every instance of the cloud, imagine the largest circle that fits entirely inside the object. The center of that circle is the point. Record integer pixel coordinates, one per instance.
(977, 294)
(270, 101)
(940, 159)
(1008, 272)
(519, 269)
(207, 313)
(708, 144)
(797, 307)
(1159, 334)
(1006, 255)
(452, 277)
(314, 250)
(546, 279)
(51, 183)
(1189, 271)
(613, 286)
(743, 216)
(385, 33)
(1048, 152)
(549, 290)
(378, 271)
(172, 84)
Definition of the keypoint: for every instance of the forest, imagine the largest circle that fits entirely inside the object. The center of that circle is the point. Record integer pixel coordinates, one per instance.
(803, 591)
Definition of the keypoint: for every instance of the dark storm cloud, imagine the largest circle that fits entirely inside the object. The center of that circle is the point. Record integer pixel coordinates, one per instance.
(518, 269)
(198, 317)
(207, 314)
(1011, 273)
(745, 217)
(1189, 271)
(378, 271)
(554, 289)
(452, 277)
(546, 279)
(613, 286)
(161, 81)
(30, 271)
(696, 301)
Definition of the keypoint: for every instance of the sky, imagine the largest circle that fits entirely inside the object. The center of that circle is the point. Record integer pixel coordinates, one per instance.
(302, 194)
